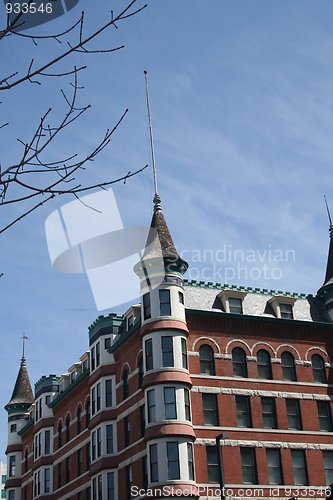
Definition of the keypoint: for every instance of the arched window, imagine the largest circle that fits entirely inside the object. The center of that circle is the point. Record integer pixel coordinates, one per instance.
(26, 457)
(140, 371)
(264, 364)
(59, 434)
(318, 369)
(68, 423)
(288, 366)
(125, 384)
(206, 356)
(79, 420)
(239, 362)
(87, 408)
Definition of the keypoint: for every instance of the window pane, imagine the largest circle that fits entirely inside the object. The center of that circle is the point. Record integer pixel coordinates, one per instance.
(288, 366)
(212, 465)
(206, 360)
(243, 411)
(318, 369)
(165, 306)
(249, 466)
(264, 365)
(167, 351)
(190, 461)
(239, 362)
(324, 414)
(149, 354)
(151, 406)
(173, 460)
(328, 464)
(146, 306)
(235, 305)
(170, 403)
(210, 411)
(286, 311)
(153, 463)
(268, 413)
(184, 354)
(299, 467)
(274, 466)
(293, 414)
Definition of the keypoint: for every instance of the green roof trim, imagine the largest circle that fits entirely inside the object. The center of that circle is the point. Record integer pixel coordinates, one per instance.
(69, 389)
(226, 286)
(46, 380)
(26, 427)
(112, 320)
(124, 336)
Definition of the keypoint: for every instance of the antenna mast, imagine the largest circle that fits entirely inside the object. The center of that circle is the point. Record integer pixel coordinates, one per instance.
(24, 338)
(328, 212)
(156, 195)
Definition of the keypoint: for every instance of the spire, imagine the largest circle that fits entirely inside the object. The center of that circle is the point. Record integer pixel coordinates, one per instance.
(22, 393)
(329, 267)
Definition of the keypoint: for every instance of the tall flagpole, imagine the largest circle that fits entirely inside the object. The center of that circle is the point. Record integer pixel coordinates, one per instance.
(156, 195)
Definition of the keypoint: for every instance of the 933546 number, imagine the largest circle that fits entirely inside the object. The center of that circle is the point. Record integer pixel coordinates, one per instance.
(28, 8)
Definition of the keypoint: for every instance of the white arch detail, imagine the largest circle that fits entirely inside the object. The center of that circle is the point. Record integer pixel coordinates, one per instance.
(266, 344)
(209, 340)
(316, 349)
(288, 346)
(238, 341)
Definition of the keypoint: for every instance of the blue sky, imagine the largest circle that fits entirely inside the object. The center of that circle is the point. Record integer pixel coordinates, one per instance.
(242, 102)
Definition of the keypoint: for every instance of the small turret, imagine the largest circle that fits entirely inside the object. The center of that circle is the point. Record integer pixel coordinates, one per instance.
(17, 409)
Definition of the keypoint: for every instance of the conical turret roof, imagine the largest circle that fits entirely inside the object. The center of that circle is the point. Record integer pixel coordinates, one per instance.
(22, 393)
(329, 267)
(159, 241)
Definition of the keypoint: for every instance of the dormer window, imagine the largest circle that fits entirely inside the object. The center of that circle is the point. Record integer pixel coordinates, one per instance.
(235, 305)
(232, 300)
(130, 321)
(286, 311)
(283, 306)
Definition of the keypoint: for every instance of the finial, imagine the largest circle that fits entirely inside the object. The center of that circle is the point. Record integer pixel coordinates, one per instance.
(156, 196)
(23, 338)
(329, 217)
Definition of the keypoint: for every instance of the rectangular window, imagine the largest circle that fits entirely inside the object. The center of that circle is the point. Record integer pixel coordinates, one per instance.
(130, 321)
(12, 465)
(11, 495)
(47, 442)
(59, 474)
(181, 297)
(149, 354)
(127, 430)
(142, 420)
(144, 473)
(93, 446)
(274, 466)
(212, 465)
(151, 406)
(170, 403)
(107, 343)
(13, 428)
(94, 489)
(243, 406)
(268, 413)
(93, 401)
(98, 354)
(210, 409)
(99, 442)
(108, 393)
(249, 466)
(68, 469)
(165, 304)
(187, 405)
(235, 305)
(294, 414)
(98, 397)
(153, 463)
(93, 358)
(79, 461)
(47, 399)
(324, 415)
(173, 460)
(109, 439)
(47, 480)
(167, 351)
(190, 461)
(110, 486)
(286, 311)
(146, 306)
(184, 354)
(129, 479)
(328, 464)
(99, 486)
(87, 456)
(299, 467)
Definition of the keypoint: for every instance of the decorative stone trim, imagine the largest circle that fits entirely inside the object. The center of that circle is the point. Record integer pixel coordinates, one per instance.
(251, 358)
(193, 353)
(261, 393)
(265, 444)
(276, 361)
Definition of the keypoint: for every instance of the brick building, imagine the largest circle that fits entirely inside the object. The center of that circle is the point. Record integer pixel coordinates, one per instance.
(141, 409)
